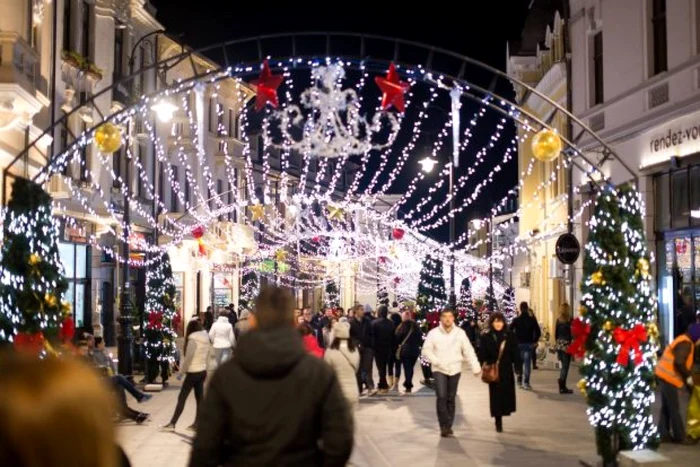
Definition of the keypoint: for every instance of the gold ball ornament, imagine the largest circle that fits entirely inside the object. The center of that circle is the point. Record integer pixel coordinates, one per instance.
(643, 267)
(108, 138)
(65, 308)
(582, 386)
(582, 310)
(50, 300)
(546, 145)
(653, 331)
(597, 278)
(34, 259)
(608, 326)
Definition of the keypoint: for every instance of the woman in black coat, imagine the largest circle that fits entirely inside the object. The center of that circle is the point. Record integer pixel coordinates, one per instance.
(501, 393)
(408, 334)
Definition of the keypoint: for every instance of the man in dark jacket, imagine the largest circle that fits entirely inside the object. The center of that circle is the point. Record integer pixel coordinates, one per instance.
(314, 321)
(232, 315)
(273, 403)
(383, 345)
(527, 333)
(361, 334)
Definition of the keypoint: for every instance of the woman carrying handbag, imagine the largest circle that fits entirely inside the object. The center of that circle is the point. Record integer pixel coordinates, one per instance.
(409, 340)
(501, 359)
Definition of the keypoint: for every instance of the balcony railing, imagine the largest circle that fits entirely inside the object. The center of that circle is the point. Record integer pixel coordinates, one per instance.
(19, 63)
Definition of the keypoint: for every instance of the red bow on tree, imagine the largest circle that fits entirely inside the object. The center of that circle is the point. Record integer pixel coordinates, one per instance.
(630, 340)
(32, 343)
(155, 320)
(580, 332)
(67, 330)
(433, 319)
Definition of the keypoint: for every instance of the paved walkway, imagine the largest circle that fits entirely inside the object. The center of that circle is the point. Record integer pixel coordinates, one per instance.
(547, 430)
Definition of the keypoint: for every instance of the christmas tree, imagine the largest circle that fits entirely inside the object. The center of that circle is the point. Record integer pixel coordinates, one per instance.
(465, 304)
(332, 296)
(382, 295)
(490, 301)
(159, 332)
(32, 285)
(431, 296)
(617, 334)
(508, 304)
(250, 287)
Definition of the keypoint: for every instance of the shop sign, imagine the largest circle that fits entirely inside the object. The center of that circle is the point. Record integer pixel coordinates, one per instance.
(224, 267)
(76, 231)
(137, 241)
(568, 249)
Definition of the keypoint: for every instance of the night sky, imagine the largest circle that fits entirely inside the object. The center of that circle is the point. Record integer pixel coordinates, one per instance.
(478, 29)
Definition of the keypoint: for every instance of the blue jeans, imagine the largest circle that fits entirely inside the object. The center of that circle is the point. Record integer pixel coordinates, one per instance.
(565, 359)
(526, 351)
(446, 392)
(409, 363)
(122, 382)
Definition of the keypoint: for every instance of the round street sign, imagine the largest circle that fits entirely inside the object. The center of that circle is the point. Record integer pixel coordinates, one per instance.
(568, 249)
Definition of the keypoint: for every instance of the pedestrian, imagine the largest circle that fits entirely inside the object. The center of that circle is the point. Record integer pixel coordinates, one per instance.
(232, 315)
(408, 344)
(208, 320)
(222, 338)
(272, 403)
(498, 346)
(562, 336)
(361, 330)
(674, 372)
(105, 363)
(328, 327)
(383, 345)
(446, 347)
(314, 322)
(527, 334)
(55, 412)
(343, 357)
(242, 325)
(310, 342)
(394, 366)
(197, 349)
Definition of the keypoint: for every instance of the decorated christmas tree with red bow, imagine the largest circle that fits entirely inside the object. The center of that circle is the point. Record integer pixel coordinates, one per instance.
(32, 285)
(160, 311)
(616, 331)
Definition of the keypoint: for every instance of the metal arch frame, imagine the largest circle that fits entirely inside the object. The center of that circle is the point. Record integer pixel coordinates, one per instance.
(363, 57)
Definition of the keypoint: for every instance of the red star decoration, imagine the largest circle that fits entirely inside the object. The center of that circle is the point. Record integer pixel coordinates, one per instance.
(393, 90)
(267, 85)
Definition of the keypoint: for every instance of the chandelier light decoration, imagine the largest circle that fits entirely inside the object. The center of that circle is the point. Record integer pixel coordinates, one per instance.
(331, 124)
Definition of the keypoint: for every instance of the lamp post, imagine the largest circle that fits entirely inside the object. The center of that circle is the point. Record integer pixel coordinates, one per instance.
(126, 337)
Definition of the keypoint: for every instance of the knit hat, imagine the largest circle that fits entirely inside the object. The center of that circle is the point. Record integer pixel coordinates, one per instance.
(694, 332)
(341, 330)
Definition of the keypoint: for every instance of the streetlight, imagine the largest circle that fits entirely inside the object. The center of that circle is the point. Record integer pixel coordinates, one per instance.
(427, 164)
(164, 109)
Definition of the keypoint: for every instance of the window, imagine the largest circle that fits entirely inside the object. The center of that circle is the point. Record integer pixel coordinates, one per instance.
(67, 26)
(231, 123)
(142, 64)
(663, 202)
(212, 114)
(85, 36)
(188, 189)
(118, 53)
(658, 26)
(695, 195)
(141, 184)
(117, 159)
(84, 157)
(598, 68)
(679, 199)
(229, 201)
(161, 179)
(32, 27)
(173, 188)
(76, 263)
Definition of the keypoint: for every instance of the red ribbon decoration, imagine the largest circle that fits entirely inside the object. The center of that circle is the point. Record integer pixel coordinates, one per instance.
(155, 320)
(32, 343)
(630, 340)
(580, 332)
(67, 330)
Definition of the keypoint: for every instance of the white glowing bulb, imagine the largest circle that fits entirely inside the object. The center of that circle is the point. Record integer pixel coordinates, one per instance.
(427, 164)
(164, 109)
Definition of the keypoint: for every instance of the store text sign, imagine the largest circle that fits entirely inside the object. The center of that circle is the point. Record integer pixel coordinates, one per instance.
(679, 137)
(674, 138)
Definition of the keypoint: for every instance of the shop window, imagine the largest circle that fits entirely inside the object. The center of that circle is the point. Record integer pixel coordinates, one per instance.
(663, 202)
(679, 199)
(76, 263)
(695, 195)
(659, 44)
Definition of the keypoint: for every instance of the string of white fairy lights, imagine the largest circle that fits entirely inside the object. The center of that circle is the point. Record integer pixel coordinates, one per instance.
(272, 232)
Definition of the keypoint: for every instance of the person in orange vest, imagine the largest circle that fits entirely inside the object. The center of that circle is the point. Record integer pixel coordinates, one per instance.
(674, 372)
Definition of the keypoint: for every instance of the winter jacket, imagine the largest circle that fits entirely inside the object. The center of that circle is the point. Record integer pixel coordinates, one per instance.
(242, 325)
(366, 332)
(311, 346)
(526, 329)
(563, 331)
(411, 349)
(502, 393)
(395, 318)
(383, 336)
(197, 353)
(273, 405)
(355, 331)
(345, 364)
(447, 350)
(221, 334)
(101, 360)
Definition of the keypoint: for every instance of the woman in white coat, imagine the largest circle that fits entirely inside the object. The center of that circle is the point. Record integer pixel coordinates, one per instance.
(343, 356)
(194, 368)
(222, 339)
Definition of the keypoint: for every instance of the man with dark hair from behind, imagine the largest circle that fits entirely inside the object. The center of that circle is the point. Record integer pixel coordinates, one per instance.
(272, 403)
(383, 345)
